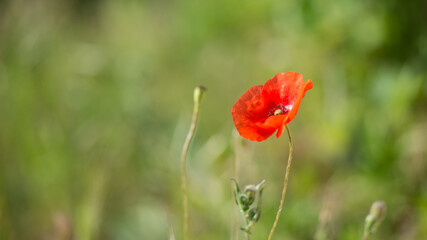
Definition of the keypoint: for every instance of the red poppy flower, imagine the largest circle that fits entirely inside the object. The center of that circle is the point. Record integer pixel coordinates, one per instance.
(263, 109)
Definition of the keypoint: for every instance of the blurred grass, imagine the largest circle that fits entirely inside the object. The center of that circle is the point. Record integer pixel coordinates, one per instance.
(96, 99)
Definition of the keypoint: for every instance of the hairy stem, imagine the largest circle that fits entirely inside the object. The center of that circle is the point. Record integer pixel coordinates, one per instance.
(235, 226)
(238, 148)
(365, 236)
(285, 185)
(184, 170)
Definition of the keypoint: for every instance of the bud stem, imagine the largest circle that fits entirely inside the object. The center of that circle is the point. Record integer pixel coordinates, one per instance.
(374, 219)
(197, 98)
(365, 236)
(285, 184)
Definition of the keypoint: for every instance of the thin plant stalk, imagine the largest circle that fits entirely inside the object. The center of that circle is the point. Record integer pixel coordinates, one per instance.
(237, 160)
(365, 236)
(285, 184)
(198, 94)
(234, 231)
(246, 223)
(171, 232)
(246, 233)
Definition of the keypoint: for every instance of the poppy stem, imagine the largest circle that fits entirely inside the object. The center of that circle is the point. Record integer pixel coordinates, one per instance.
(198, 94)
(285, 184)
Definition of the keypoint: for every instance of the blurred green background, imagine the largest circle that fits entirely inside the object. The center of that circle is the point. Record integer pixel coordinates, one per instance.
(96, 101)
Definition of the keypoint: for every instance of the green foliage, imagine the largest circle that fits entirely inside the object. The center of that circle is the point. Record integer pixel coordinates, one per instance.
(96, 97)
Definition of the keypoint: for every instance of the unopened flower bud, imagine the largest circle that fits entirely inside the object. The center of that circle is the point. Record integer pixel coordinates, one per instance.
(250, 194)
(378, 209)
(249, 202)
(375, 217)
(199, 92)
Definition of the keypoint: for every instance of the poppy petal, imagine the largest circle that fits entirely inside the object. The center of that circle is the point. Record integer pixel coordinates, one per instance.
(282, 88)
(291, 115)
(249, 114)
(263, 109)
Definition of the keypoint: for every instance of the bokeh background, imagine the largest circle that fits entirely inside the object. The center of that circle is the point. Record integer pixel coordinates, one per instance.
(96, 101)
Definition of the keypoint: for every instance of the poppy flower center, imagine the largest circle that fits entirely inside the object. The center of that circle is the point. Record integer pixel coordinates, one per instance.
(279, 110)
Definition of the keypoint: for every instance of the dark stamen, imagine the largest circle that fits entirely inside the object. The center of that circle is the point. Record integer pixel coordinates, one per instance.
(279, 110)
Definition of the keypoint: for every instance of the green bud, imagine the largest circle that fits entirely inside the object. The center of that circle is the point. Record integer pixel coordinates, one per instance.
(250, 193)
(375, 217)
(199, 92)
(249, 202)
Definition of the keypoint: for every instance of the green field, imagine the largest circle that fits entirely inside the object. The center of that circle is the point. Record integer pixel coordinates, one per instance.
(96, 98)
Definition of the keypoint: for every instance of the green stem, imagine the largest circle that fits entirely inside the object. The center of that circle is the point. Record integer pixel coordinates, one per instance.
(235, 225)
(365, 236)
(184, 170)
(285, 185)
(246, 224)
(238, 146)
